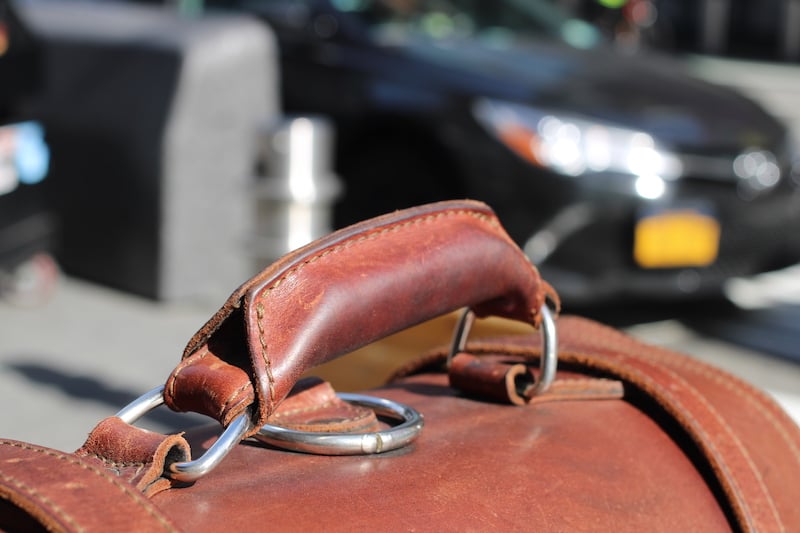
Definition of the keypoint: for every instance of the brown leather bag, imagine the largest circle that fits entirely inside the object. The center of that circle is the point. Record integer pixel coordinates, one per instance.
(621, 437)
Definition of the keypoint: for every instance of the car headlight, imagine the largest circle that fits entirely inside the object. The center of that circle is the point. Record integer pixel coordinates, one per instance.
(574, 146)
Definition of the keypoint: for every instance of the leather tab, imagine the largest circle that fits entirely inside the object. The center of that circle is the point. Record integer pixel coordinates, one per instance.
(491, 380)
(508, 379)
(314, 406)
(136, 455)
(205, 384)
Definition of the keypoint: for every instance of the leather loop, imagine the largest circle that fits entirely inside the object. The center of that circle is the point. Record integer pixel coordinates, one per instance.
(492, 380)
(205, 384)
(508, 379)
(137, 455)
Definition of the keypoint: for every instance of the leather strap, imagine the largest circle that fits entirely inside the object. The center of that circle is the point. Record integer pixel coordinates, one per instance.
(136, 455)
(755, 469)
(344, 291)
(62, 492)
(750, 445)
(500, 380)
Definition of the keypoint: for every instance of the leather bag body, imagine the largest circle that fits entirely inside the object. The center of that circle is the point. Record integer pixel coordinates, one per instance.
(626, 436)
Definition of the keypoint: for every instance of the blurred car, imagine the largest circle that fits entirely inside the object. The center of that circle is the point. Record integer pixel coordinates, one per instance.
(619, 176)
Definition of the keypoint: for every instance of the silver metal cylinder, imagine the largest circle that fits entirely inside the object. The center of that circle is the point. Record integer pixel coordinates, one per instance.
(295, 196)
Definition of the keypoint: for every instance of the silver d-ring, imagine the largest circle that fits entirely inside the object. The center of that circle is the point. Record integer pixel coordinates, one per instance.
(549, 361)
(351, 443)
(189, 471)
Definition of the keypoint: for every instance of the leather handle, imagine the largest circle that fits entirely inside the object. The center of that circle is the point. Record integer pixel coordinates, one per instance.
(368, 281)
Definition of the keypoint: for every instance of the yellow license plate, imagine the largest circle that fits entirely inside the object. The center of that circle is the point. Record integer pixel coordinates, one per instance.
(676, 239)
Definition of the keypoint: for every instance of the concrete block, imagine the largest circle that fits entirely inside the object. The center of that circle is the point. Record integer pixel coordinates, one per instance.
(153, 120)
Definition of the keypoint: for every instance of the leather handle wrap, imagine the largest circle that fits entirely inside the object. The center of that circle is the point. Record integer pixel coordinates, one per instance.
(361, 284)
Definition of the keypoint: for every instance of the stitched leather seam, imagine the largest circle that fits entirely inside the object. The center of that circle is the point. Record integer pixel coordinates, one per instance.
(263, 344)
(36, 495)
(353, 241)
(632, 343)
(300, 410)
(99, 472)
(754, 397)
(737, 442)
(734, 484)
(585, 381)
(233, 399)
(378, 233)
(630, 354)
(586, 386)
(116, 464)
(183, 364)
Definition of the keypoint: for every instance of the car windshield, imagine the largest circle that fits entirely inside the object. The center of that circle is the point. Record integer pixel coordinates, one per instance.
(497, 23)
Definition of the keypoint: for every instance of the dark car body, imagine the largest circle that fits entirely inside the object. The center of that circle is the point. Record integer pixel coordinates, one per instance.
(647, 183)
(765, 30)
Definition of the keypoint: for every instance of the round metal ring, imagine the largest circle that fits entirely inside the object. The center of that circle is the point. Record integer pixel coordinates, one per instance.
(351, 443)
(189, 471)
(549, 361)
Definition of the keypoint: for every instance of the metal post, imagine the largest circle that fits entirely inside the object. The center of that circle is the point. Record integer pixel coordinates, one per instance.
(295, 196)
(715, 17)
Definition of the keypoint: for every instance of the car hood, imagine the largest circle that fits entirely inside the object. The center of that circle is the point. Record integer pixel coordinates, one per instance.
(651, 93)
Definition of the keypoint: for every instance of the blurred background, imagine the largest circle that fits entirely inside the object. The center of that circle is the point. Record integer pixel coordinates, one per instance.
(154, 155)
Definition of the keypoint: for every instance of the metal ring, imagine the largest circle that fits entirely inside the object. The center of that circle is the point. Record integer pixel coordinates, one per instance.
(351, 443)
(190, 471)
(549, 361)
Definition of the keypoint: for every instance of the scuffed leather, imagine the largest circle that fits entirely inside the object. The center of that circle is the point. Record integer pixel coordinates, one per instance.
(687, 447)
(477, 466)
(645, 461)
(349, 289)
(510, 379)
(747, 445)
(134, 454)
(204, 383)
(629, 437)
(64, 492)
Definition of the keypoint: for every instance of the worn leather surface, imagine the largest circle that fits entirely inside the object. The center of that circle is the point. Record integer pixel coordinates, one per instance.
(478, 466)
(41, 488)
(630, 437)
(686, 448)
(383, 275)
